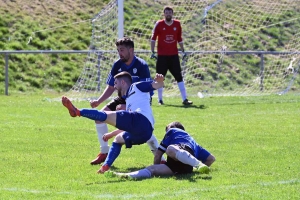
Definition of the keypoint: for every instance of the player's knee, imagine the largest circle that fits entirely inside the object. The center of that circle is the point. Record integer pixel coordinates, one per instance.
(152, 170)
(119, 139)
(171, 151)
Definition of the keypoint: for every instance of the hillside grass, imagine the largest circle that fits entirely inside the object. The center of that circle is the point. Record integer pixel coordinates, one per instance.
(45, 153)
(66, 25)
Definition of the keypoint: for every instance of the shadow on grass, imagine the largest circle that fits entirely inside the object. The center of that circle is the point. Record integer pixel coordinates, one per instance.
(185, 106)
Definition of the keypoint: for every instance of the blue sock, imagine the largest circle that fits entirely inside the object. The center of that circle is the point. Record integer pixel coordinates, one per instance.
(113, 153)
(93, 114)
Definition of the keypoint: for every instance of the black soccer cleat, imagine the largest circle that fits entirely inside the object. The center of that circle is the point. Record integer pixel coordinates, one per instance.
(160, 102)
(187, 102)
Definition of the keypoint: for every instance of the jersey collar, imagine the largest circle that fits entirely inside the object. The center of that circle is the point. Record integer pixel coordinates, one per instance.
(167, 23)
(131, 64)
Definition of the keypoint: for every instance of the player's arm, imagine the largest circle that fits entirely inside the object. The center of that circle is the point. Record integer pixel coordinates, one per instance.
(109, 135)
(154, 36)
(157, 157)
(105, 95)
(158, 81)
(152, 45)
(110, 81)
(179, 38)
(148, 86)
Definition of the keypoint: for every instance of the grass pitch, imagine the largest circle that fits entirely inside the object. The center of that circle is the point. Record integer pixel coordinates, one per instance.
(45, 154)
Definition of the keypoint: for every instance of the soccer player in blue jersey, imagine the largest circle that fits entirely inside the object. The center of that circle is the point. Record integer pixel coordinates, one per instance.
(184, 154)
(137, 121)
(139, 70)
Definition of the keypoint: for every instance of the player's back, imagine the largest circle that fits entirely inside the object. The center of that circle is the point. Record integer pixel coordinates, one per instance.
(179, 136)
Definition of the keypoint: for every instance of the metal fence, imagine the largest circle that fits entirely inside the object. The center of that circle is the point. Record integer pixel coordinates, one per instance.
(258, 53)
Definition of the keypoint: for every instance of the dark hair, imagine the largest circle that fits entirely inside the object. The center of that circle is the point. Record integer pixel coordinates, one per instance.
(168, 8)
(125, 76)
(126, 41)
(174, 125)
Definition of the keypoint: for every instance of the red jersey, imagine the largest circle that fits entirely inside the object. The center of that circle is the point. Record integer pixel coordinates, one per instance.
(168, 36)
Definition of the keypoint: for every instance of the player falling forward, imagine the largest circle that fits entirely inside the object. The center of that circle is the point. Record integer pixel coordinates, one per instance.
(184, 154)
(137, 121)
(139, 70)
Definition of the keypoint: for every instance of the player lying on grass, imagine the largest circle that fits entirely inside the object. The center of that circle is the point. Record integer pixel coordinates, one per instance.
(183, 154)
(137, 121)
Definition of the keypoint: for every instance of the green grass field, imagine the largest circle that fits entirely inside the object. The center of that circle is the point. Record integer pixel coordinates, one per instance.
(45, 154)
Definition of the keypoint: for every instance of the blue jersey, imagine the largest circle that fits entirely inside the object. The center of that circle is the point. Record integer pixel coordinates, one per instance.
(177, 136)
(138, 99)
(138, 68)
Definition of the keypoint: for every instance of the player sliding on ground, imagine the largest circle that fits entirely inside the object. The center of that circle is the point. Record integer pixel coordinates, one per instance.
(137, 121)
(184, 154)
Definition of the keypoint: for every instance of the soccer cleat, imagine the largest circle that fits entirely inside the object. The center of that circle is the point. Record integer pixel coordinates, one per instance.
(203, 169)
(160, 102)
(74, 112)
(100, 159)
(187, 102)
(103, 169)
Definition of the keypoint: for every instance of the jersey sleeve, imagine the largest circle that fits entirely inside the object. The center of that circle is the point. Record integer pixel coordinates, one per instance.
(110, 78)
(165, 142)
(144, 72)
(145, 86)
(179, 36)
(155, 31)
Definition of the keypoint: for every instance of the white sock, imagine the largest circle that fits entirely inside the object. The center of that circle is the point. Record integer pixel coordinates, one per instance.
(182, 90)
(143, 173)
(153, 145)
(160, 93)
(187, 158)
(101, 130)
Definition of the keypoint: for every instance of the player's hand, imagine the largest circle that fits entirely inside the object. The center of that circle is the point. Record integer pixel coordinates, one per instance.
(184, 56)
(94, 103)
(159, 78)
(107, 136)
(121, 107)
(153, 55)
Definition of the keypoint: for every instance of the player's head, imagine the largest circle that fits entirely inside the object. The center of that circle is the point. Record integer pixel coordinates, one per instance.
(125, 48)
(168, 13)
(174, 125)
(122, 82)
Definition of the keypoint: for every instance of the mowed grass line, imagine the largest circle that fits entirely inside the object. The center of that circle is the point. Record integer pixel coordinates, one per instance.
(45, 154)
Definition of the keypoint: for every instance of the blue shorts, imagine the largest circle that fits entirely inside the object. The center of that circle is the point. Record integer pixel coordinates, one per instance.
(137, 127)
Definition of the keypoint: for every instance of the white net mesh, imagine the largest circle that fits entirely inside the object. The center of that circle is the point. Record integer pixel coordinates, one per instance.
(222, 27)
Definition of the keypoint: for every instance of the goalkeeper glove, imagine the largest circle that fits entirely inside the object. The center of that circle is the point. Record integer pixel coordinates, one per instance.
(153, 55)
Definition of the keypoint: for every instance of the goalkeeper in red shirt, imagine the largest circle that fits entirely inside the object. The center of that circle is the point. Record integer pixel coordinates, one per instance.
(169, 34)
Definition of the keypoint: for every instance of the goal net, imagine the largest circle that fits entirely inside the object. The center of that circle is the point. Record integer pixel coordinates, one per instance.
(221, 37)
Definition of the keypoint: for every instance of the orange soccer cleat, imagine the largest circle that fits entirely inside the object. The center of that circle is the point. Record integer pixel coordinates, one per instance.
(74, 112)
(103, 169)
(100, 159)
